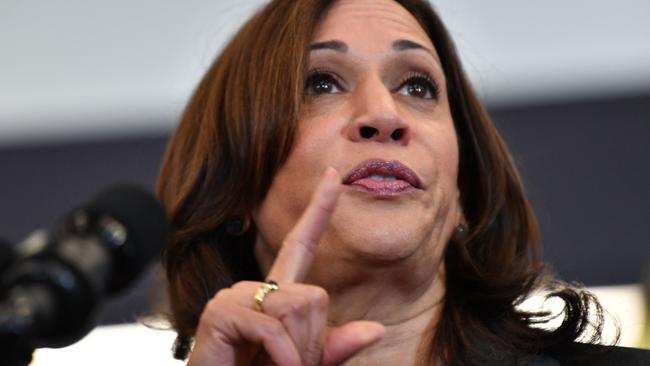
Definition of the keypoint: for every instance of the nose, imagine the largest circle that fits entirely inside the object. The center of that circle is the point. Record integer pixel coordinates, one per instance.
(376, 117)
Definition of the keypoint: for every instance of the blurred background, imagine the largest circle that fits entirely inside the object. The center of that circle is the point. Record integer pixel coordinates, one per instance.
(91, 90)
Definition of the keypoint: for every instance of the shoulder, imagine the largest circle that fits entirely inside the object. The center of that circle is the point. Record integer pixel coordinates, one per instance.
(592, 355)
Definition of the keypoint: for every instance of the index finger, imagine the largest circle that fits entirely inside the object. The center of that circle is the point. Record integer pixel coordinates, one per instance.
(297, 252)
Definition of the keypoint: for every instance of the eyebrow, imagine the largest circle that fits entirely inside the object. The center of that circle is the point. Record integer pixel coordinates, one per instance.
(330, 45)
(399, 45)
(405, 44)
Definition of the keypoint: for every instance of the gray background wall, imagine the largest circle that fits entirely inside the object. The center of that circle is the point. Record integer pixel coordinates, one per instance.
(89, 93)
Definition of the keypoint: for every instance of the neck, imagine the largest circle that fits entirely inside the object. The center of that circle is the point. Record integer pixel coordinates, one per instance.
(404, 343)
(406, 299)
(405, 295)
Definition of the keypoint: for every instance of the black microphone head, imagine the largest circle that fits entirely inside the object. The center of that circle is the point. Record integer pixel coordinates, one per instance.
(132, 223)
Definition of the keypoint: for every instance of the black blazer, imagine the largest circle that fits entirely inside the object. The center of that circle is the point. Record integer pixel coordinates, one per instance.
(591, 355)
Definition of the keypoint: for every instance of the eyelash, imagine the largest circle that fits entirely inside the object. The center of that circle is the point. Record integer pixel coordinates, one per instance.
(409, 78)
(320, 73)
(433, 87)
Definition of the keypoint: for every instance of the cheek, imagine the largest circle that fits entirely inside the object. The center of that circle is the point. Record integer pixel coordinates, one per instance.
(292, 186)
(315, 149)
(439, 153)
(441, 149)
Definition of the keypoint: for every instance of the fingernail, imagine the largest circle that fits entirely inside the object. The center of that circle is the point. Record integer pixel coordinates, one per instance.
(332, 177)
(333, 174)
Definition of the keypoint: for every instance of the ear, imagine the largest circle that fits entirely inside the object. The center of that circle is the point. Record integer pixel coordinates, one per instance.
(460, 212)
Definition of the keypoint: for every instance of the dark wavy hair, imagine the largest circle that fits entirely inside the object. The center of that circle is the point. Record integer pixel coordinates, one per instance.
(237, 131)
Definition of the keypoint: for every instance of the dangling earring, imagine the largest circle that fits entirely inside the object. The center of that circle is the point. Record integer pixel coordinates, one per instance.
(237, 225)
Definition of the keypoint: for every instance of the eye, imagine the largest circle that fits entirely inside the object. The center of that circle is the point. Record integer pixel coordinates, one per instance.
(320, 82)
(419, 86)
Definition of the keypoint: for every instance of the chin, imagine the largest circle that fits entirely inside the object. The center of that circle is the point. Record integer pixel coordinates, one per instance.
(389, 234)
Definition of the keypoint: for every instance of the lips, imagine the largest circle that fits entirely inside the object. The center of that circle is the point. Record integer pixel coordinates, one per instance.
(383, 178)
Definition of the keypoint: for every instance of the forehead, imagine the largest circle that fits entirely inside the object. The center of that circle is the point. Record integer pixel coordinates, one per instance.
(372, 21)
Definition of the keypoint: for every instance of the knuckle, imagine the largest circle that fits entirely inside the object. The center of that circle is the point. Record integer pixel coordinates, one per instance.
(309, 244)
(221, 296)
(297, 240)
(297, 308)
(243, 285)
(288, 240)
(212, 308)
(221, 302)
(325, 206)
(318, 297)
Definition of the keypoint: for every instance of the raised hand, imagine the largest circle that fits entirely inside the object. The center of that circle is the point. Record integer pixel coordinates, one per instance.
(290, 328)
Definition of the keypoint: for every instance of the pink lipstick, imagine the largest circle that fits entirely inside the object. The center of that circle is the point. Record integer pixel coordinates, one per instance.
(383, 178)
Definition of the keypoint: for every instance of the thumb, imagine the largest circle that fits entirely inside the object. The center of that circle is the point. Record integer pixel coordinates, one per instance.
(349, 339)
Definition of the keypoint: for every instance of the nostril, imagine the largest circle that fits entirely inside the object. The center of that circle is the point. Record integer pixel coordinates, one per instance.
(397, 134)
(368, 132)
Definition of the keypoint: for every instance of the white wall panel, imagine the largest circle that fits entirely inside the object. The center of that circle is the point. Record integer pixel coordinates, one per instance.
(74, 68)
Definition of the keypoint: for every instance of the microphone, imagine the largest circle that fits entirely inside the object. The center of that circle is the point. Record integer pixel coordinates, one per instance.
(51, 292)
(7, 255)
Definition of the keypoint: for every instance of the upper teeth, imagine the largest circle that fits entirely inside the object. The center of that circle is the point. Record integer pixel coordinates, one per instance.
(381, 177)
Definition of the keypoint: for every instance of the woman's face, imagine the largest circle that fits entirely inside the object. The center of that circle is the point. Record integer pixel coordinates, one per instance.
(376, 110)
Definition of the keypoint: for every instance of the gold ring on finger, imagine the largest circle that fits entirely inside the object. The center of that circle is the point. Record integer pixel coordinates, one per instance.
(262, 291)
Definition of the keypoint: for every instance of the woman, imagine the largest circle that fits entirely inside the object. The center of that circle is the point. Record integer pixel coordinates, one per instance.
(338, 193)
